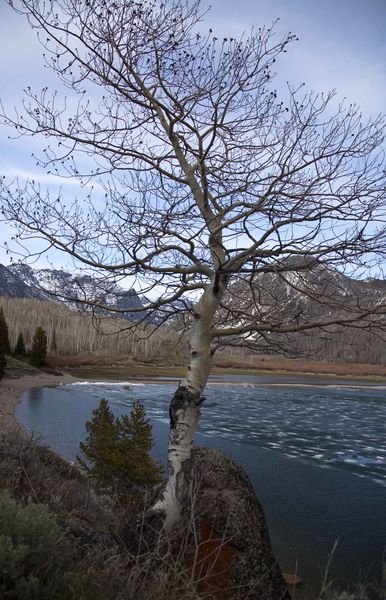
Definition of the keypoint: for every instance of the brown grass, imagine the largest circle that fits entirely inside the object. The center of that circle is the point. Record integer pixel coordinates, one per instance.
(293, 365)
(191, 565)
(121, 367)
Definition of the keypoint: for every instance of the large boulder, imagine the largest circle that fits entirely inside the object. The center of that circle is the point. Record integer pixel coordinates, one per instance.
(234, 557)
(221, 541)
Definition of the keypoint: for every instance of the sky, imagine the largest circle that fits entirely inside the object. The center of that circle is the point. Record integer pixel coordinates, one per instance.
(342, 46)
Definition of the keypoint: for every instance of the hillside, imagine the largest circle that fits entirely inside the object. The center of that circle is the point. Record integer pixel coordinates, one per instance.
(81, 333)
(299, 292)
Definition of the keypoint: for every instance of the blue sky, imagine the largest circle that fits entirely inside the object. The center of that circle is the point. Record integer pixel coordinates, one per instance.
(342, 46)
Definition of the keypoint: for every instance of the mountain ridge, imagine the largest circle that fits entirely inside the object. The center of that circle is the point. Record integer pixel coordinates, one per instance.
(23, 281)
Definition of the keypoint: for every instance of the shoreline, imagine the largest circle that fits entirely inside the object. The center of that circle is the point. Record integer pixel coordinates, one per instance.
(11, 390)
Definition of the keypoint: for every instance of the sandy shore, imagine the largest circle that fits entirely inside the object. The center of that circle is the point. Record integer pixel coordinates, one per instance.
(11, 390)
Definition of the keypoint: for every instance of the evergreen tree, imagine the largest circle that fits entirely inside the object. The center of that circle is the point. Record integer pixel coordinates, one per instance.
(3, 364)
(20, 346)
(39, 348)
(5, 346)
(100, 447)
(116, 453)
(139, 470)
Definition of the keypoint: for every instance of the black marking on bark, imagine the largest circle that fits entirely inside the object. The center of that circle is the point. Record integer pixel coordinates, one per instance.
(220, 282)
(216, 287)
(200, 400)
(181, 399)
(193, 353)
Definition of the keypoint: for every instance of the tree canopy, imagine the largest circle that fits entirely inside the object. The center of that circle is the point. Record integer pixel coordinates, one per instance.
(20, 346)
(5, 347)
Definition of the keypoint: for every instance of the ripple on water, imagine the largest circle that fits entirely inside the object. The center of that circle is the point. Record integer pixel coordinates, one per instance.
(330, 426)
(343, 427)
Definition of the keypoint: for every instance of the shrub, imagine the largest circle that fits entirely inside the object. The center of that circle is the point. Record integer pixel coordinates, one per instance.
(35, 558)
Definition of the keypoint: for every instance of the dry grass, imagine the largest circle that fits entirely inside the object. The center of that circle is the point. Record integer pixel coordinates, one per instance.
(192, 564)
(120, 366)
(293, 365)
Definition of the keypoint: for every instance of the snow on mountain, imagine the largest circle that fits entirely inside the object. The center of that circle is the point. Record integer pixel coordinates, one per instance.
(14, 286)
(300, 289)
(22, 281)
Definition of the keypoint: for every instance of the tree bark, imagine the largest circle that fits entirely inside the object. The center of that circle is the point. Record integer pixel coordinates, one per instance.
(186, 402)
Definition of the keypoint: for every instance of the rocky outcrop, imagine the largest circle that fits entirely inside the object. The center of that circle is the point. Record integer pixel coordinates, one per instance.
(234, 556)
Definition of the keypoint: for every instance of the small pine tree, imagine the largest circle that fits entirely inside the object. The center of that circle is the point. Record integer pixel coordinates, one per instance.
(5, 346)
(140, 471)
(99, 448)
(117, 453)
(20, 346)
(39, 348)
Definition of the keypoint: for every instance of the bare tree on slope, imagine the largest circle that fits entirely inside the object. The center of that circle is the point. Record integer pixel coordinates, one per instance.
(209, 180)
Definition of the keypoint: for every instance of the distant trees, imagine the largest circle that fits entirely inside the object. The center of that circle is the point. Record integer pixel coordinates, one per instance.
(20, 346)
(73, 333)
(38, 353)
(53, 345)
(116, 453)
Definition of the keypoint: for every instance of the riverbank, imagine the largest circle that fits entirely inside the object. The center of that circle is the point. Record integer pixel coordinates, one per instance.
(120, 367)
(13, 385)
(156, 373)
(314, 484)
(21, 377)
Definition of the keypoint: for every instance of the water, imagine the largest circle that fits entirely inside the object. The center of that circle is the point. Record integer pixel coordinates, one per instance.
(315, 453)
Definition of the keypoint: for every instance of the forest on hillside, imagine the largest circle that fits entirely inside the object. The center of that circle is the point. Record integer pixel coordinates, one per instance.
(70, 332)
(75, 333)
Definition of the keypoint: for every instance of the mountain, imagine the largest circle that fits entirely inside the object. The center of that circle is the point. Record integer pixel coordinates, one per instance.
(22, 281)
(13, 285)
(303, 290)
(300, 290)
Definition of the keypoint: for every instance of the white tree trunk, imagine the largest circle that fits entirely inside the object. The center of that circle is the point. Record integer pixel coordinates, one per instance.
(186, 402)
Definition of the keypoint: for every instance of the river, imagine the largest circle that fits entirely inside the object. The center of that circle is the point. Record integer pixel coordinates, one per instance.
(314, 449)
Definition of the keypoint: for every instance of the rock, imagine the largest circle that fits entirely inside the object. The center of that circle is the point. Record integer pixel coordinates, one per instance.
(234, 549)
